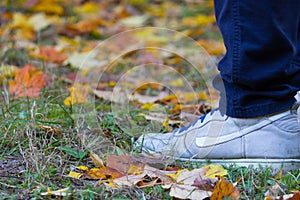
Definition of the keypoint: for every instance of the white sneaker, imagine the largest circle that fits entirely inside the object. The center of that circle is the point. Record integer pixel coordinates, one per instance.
(272, 139)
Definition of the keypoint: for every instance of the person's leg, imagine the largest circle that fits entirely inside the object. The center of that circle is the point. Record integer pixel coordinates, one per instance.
(261, 74)
(261, 68)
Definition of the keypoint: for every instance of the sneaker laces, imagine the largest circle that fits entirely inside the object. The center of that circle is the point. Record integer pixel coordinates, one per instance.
(202, 118)
(297, 97)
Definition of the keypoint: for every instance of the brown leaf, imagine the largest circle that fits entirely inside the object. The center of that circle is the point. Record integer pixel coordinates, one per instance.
(50, 129)
(296, 196)
(149, 175)
(125, 164)
(205, 184)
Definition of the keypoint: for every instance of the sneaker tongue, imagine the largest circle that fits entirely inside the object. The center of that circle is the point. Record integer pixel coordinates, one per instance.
(297, 97)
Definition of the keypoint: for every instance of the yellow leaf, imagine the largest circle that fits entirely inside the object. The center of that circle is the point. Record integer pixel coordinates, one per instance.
(83, 168)
(112, 185)
(214, 171)
(137, 2)
(7, 71)
(175, 176)
(104, 173)
(189, 97)
(202, 96)
(111, 83)
(150, 36)
(20, 21)
(199, 20)
(213, 47)
(135, 169)
(96, 160)
(150, 106)
(88, 8)
(166, 122)
(156, 10)
(177, 83)
(48, 6)
(171, 97)
(78, 94)
(74, 174)
(60, 192)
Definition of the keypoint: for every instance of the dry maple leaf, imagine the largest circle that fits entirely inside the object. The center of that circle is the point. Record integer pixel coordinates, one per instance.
(27, 83)
(125, 164)
(224, 189)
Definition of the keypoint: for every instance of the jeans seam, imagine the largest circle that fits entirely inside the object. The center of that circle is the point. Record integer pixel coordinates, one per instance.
(236, 47)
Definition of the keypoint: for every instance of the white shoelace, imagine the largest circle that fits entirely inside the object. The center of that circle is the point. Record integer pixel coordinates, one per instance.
(297, 97)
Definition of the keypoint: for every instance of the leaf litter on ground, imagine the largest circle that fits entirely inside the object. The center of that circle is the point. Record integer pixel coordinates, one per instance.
(126, 170)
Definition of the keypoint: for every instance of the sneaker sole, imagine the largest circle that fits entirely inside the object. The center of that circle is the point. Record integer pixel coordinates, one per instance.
(277, 164)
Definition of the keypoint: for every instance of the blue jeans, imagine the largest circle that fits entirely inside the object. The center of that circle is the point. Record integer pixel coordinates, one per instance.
(261, 67)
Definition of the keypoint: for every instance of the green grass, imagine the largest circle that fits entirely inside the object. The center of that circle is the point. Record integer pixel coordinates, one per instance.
(44, 159)
(33, 158)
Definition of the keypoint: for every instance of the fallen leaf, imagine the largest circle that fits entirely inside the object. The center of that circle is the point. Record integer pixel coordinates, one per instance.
(134, 21)
(38, 21)
(96, 160)
(48, 54)
(76, 175)
(213, 47)
(60, 192)
(88, 8)
(215, 171)
(175, 176)
(150, 106)
(159, 117)
(184, 189)
(84, 61)
(48, 6)
(28, 82)
(224, 189)
(136, 169)
(150, 172)
(103, 173)
(83, 168)
(177, 83)
(296, 196)
(125, 164)
(78, 94)
(7, 71)
(188, 192)
(50, 129)
(206, 184)
(199, 20)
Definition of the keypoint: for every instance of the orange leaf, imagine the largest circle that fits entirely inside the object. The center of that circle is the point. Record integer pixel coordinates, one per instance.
(49, 54)
(27, 83)
(225, 189)
(103, 173)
